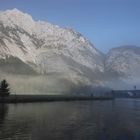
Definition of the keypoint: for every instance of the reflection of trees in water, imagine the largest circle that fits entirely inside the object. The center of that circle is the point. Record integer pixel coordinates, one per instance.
(16, 125)
(3, 112)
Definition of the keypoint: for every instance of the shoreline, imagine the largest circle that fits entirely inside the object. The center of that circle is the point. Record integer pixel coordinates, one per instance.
(48, 98)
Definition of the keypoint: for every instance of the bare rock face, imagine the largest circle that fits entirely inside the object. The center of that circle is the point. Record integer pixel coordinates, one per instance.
(124, 61)
(63, 57)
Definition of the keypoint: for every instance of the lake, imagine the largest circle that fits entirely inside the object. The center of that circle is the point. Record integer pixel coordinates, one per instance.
(75, 120)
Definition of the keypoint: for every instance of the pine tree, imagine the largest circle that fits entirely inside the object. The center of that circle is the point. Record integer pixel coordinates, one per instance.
(4, 88)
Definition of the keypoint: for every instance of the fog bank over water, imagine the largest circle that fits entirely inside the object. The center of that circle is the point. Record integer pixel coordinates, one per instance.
(49, 85)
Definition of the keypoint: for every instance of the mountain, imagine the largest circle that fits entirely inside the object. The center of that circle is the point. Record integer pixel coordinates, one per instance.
(44, 57)
(124, 61)
(122, 67)
(39, 57)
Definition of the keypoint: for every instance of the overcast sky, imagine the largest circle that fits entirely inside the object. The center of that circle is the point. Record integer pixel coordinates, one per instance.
(106, 23)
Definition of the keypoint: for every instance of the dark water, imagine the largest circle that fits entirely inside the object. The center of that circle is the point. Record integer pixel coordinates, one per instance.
(84, 120)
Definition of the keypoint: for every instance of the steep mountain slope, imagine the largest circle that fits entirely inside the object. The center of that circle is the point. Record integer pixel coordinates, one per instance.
(15, 66)
(124, 62)
(63, 56)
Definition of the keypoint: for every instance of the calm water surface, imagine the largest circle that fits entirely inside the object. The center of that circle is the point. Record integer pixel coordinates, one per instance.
(77, 120)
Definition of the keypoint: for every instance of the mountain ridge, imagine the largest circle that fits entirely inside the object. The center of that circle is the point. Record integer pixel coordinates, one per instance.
(58, 54)
(63, 57)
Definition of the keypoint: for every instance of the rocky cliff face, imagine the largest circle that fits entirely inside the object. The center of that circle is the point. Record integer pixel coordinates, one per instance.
(63, 56)
(124, 62)
(123, 67)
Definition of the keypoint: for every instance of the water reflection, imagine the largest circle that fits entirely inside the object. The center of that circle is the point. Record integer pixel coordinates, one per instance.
(3, 113)
(85, 120)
